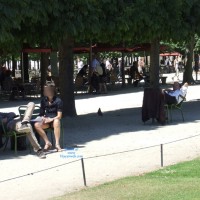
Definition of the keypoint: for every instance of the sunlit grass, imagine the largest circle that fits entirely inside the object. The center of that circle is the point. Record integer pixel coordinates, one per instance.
(178, 182)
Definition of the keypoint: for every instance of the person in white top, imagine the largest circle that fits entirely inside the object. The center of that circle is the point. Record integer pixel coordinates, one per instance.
(141, 66)
(176, 95)
(168, 61)
(79, 64)
(176, 66)
(108, 65)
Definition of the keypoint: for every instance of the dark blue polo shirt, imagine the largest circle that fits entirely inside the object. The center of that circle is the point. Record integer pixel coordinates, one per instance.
(52, 109)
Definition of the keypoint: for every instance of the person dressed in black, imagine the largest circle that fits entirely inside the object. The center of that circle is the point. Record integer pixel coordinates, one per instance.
(51, 114)
(95, 81)
(82, 74)
(134, 74)
(103, 80)
(83, 71)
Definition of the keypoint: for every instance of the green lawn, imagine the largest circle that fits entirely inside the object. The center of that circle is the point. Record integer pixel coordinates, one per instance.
(178, 182)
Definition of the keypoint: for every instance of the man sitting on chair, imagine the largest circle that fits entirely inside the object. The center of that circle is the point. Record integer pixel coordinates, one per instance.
(51, 113)
(12, 122)
(176, 95)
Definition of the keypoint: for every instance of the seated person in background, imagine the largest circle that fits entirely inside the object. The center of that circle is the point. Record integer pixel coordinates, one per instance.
(12, 123)
(176, 95)
(8, 82)
(83, 71)
(51, 113)
(81, 78)
(2, 76)
(134, 74)
(8, 85)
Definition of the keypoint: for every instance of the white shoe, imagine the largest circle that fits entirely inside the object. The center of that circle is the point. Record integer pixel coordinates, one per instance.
(24, 129)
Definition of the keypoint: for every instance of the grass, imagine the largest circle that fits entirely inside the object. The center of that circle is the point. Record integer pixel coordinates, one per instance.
(178, 182)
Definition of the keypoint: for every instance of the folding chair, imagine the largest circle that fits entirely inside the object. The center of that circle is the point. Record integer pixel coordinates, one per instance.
(177, 106)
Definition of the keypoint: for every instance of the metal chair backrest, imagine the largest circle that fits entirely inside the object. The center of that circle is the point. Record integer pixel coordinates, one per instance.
(22, 110)
(181, 97)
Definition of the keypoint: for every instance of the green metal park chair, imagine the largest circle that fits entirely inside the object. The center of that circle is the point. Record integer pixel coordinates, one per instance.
(35, 114)
(177, 106)
(7, 134)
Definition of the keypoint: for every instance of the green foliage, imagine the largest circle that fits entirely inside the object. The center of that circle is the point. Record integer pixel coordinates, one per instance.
(10, 18)
(125, 22)
(115, 21)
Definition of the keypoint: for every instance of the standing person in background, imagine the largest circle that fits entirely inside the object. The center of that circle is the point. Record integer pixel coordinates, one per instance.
(119, 68)
(141, 66)
(168, 64)
(79, 64)
(95, 74)
(103, 80)
(176, 67)
(180, 62)
(136, 77)
(115, 65)
(108, 64)
(95, 62)
(49, 75)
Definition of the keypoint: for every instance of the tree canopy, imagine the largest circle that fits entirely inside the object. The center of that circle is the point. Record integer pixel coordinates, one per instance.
(60, 23)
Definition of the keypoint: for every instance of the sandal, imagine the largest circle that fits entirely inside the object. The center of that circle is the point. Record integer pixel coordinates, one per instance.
(58, 148)
(47, 147)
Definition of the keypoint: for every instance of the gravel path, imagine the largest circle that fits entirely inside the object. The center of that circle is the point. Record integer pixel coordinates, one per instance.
(120, 129)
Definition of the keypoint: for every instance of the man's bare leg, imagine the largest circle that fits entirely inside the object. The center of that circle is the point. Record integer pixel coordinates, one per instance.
(56, 125)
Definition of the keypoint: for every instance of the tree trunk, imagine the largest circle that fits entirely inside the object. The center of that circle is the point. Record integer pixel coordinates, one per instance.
(44, 64)
(25, 67)
(187, 76)
(14, 66)
(196, 64)
(38, 64)
(123, 66)
(66, 75)
(54, 62)
(8, 63)
(154, 64)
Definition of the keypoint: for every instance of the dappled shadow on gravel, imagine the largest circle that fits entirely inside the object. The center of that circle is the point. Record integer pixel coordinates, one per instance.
(90, 127)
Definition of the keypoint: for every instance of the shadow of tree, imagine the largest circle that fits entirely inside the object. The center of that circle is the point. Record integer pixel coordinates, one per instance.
(90, 127)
